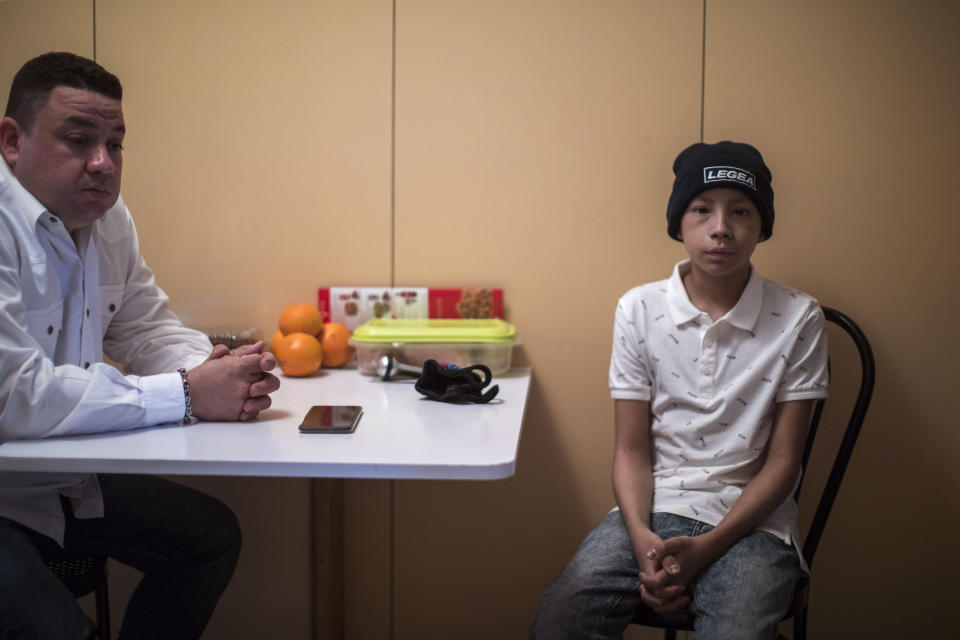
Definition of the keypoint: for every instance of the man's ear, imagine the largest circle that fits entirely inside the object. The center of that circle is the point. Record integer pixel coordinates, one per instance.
(10, 133)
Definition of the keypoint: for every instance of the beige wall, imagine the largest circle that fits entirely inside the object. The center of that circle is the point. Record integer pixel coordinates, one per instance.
(532, 151)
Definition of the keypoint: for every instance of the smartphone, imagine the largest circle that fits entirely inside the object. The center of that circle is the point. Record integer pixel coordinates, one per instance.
(329, 418)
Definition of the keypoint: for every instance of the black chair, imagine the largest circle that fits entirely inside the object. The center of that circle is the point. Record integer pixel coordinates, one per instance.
(683, 621)
(83, 577)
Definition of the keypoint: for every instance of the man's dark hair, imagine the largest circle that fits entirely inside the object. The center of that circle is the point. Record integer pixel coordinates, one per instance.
(38, 77)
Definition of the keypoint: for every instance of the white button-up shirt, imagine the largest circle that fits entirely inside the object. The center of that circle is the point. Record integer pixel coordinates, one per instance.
(64, 302)
(713, 386)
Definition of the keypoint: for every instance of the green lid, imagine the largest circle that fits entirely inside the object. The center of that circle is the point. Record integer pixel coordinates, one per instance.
(435, 330)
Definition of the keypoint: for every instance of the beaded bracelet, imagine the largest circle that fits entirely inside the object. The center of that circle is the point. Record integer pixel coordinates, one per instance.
(188, 414)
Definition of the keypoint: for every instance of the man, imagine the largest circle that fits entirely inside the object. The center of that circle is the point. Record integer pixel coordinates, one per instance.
(73, 287)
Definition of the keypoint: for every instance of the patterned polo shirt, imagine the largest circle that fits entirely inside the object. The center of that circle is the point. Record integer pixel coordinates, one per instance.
(713, 387)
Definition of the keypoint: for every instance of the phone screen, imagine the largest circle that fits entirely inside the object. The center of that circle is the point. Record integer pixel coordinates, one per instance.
(329, 418)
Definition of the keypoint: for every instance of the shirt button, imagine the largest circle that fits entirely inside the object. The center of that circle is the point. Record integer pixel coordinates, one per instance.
(88, 313)
(50, 330)
(53, 221)
(112, 307)
(86, 365)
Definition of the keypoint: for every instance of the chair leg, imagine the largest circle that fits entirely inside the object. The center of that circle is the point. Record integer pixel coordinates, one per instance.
(800, 625)
(103, 612)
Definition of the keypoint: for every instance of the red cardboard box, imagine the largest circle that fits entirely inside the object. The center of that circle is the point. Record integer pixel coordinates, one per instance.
(352, 306)
(465, 303)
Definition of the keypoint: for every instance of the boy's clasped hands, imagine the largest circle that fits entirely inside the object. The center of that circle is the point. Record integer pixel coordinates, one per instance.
(669, 567)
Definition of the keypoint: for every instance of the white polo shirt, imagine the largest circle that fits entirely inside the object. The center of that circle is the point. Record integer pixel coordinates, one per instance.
(713, 387)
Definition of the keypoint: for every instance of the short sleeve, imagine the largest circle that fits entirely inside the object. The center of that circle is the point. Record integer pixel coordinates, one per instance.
(807, 374)
(630, 377)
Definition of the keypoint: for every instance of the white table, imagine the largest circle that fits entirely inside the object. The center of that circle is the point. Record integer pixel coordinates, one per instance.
(401, 435)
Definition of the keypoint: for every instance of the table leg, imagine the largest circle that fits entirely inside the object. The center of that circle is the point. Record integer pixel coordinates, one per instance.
(326, 576)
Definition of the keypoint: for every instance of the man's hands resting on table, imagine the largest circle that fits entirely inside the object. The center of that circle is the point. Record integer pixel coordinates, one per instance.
(233, 385)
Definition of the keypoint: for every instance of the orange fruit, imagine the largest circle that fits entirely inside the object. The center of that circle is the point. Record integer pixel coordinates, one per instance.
(335, 340)
(299, 354)
(301, 317)
(276, 344)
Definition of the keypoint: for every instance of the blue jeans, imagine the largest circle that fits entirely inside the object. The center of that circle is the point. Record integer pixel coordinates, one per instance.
(184, 542)
(744, 594)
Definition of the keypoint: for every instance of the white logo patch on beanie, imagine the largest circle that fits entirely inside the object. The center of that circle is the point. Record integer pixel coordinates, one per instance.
(729, 174)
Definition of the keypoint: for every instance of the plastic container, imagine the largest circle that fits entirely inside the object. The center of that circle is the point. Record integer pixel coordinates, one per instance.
(232, 336)
(461, 342)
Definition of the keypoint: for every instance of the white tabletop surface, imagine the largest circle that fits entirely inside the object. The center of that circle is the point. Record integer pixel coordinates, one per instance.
(401, 435)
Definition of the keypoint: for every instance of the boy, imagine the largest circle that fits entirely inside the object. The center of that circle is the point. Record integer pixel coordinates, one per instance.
(713, 373)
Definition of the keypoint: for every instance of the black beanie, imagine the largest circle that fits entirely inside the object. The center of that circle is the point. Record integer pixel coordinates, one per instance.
(732, 165)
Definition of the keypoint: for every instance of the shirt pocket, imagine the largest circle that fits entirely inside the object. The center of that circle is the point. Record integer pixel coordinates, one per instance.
(110, 298)
(44, 326)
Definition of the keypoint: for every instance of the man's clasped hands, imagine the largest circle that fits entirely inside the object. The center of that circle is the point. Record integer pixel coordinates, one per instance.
(233, 384)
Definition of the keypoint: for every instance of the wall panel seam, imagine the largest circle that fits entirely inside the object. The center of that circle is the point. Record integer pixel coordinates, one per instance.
(703, 65)
(94, 7)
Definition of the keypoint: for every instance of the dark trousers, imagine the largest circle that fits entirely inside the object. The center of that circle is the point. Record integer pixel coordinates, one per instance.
(185, 543)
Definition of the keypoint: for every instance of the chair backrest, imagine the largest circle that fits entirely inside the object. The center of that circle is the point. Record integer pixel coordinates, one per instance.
(81, 576)
(857, 415)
